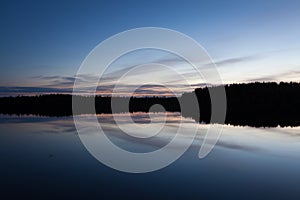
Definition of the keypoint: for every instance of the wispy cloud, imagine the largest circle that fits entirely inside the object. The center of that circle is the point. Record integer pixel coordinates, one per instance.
(292, 75)
(64, 81)
(14, 91)
(219, 63)
(31, 89)
(88, 82)
(104, 90)
(235, 60)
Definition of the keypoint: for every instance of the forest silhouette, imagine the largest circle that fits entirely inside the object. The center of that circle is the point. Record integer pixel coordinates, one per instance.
(253, 104)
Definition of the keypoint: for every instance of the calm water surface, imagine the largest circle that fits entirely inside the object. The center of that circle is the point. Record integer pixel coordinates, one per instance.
(43, 158)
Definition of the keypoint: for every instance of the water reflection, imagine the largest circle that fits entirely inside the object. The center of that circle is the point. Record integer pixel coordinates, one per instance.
(269, 140)
(43, 156)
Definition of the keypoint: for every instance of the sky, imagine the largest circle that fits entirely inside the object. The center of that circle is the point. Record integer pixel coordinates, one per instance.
(43, 43)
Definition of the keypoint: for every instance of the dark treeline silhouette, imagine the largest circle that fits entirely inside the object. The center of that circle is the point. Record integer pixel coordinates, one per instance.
(255, 104)
(252, 104)
(56, 105)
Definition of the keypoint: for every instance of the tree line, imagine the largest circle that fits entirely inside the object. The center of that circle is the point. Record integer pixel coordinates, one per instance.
(253, 104)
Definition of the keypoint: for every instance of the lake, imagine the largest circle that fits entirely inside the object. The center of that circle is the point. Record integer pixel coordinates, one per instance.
(43, 157)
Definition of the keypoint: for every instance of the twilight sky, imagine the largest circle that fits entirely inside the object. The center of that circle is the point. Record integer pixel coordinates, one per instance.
(43, 43)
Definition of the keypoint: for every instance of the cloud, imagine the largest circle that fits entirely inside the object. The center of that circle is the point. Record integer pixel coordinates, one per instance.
(235, 60)
(29, 91)
(88, 82)
(105, 90)
(64, 81)
(142, 90)
(32, 90)
(288, 75)
(111, 77)
(220, 63)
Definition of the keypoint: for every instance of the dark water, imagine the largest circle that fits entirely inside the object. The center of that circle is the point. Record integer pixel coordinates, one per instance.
(43, 158)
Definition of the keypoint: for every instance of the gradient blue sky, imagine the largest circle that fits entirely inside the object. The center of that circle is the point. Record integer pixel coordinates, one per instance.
(44, 42)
